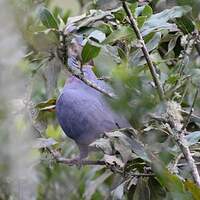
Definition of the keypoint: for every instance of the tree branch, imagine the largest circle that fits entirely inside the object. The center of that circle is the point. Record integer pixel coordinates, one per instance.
(152, 69)
(83, 162)
(181, 142)
(89, 83)
(63, 58)
(192, 116)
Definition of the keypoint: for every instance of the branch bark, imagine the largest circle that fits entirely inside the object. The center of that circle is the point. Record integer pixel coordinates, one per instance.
(89, 83)
(152, 69)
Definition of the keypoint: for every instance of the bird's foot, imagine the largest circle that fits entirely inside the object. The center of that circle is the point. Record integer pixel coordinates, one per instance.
(77, 161)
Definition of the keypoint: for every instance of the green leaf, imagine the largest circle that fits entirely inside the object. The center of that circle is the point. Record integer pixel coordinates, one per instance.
(45, 40)
(160, 20)
(136, 56)
(93, 185)
(131, 143)
(89, 52)
(97, 35)
(53, 132)
(122, 55)
(141, 20)
(185, 24)
(142, 190)
(157, 192)
(172, 79)
(193, 188)
(47, 18)
(172, 43)
(147, 11)
(133, 7)
(171, 182)
(46, 105)
(124, 32)
(105, 28)
(193, 138)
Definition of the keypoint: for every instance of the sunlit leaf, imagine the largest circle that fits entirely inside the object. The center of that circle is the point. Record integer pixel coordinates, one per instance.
(97, 35)
(193, 138)
(53, 132)
(124, 32)
(147, 11)
(89, 52)
(160, 20)
(47, 105)
(193, 188)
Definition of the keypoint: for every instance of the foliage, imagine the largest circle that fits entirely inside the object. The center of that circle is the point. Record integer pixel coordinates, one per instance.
(143, 162)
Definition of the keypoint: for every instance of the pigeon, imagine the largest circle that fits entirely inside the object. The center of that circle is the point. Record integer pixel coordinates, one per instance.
(83, 112)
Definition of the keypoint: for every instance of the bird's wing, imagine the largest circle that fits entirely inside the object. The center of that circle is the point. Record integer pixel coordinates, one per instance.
(84, 117)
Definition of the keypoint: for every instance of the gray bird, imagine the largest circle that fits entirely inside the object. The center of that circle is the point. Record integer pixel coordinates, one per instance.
(83, 112)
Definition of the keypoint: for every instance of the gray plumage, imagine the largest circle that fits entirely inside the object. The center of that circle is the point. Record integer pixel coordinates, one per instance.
(84, 114)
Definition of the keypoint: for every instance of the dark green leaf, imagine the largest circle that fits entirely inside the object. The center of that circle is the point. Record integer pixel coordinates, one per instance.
(173, 183)
(47, 18)
(172, 43)
(89, 52)
(157, 192)
(185, 24)
(124, 32)
(142, 191)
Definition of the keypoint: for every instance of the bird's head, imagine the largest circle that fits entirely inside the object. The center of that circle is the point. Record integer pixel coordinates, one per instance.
(74, 53)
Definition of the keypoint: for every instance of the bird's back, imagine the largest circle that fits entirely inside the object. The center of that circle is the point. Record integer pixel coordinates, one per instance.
(84, 114)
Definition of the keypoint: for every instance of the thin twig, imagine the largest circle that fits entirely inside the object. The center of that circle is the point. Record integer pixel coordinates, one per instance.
(89, 83)
(181, 142)
(83, 162)
(185, 164)
(151, 66)
(142, 174)
(187, 154)
(192, 116)
(191, 110)
(78, 75)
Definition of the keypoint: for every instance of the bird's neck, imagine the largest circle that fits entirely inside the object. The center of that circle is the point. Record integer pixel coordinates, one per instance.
(88, 74)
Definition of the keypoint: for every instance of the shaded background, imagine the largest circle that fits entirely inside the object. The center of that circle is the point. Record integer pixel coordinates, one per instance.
(24, 172)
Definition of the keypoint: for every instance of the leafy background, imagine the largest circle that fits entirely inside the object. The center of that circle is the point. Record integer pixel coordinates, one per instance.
(144, 163)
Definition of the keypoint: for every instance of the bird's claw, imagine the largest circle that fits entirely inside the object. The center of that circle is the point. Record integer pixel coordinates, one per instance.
(76, 161)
